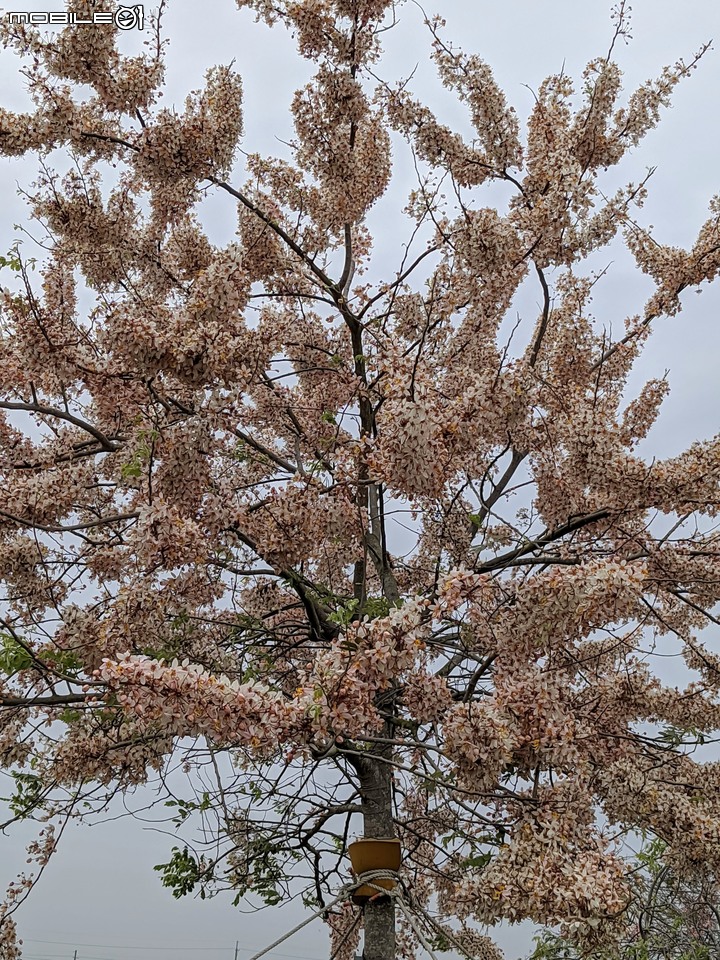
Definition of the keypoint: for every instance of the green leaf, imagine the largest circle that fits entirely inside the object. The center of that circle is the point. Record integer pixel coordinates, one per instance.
(70, 716)
(65, 660)
(132, 469)
(376, 607)
(13, 656)
(481, 860)
(181, 873)
(27, 796)
(344, 614)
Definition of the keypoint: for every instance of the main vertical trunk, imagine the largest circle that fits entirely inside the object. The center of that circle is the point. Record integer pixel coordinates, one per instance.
(376, 788)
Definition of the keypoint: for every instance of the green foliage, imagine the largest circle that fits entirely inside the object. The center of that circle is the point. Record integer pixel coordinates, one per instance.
(478, 860)
(649, 856)
(143, 451)
(239, 453)
(265, 871)
(187, 807)
(13, 656)
(181, 873)
(12, 260)
(374, 607)
(27, 796)
(476, 857)
(440, 943)
(64, 660)
(134, 467)
(344, 614)
(548, 946)
(254, 790)
(673, 737)
(70, 716)
(267, 874)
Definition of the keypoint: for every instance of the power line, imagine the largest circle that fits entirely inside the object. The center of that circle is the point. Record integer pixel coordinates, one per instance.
(62, 956)
(85, 956)
(200, 947)
(55, 956)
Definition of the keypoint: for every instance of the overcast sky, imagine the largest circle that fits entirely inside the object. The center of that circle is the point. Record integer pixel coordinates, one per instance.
(100, 894)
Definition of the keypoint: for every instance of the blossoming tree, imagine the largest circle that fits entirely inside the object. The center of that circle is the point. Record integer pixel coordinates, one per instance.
(204, 451)
(673, 917)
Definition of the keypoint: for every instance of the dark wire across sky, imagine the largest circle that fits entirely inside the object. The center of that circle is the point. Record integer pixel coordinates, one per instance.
(69, 948)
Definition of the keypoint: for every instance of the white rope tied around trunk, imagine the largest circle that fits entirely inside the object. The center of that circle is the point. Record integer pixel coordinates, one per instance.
(346, 892)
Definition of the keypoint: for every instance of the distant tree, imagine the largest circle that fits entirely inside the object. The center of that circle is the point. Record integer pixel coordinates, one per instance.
(672, 917)
(309, 528)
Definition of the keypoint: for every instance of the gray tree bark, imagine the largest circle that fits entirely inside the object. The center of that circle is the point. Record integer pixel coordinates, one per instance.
(376, 790)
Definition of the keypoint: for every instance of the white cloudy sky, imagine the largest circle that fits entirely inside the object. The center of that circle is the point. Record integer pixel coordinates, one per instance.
(100, 894)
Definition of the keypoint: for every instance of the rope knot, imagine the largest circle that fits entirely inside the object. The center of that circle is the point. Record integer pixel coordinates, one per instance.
(370, 875)
(374, 883)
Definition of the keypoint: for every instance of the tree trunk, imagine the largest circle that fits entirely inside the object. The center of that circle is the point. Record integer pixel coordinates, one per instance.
(376, 789)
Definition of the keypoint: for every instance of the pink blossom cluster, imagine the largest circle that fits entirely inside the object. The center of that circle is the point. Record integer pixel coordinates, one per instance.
(184, 699)
(282, 498)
